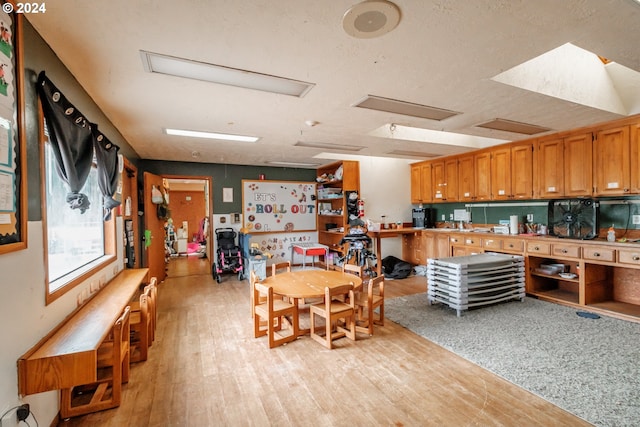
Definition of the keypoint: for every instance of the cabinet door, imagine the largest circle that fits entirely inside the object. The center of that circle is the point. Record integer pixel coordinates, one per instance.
(522, 171)
(451, 179)
(578, 157)
(466, 188)
(611, 151)
(420, 183)
(634, 148)
(501, 173)
(439, 190)
(416, 184)
(550, 168)
(483, 175)
(425, 173)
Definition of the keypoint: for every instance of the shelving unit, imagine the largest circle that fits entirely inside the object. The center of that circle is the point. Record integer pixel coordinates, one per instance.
(334, 181)
(552, 286)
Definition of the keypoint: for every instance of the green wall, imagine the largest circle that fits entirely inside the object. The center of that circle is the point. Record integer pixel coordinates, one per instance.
(225, 176)
(616, 211)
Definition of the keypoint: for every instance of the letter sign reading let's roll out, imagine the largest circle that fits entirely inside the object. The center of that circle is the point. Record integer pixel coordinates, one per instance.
(278, 206)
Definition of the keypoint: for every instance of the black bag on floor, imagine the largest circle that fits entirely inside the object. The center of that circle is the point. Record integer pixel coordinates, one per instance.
(395, 268)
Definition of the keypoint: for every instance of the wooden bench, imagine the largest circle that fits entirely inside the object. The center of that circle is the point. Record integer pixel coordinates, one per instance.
(68, 355)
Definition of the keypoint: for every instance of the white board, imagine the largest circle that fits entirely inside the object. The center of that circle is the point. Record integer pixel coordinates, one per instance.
(279, 206)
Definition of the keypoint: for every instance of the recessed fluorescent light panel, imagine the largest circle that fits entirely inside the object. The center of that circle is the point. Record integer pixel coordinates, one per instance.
(405, 108)
(327, 146)
(299, 164)
(511, 126)
(211, 135)
(180, 67)
(417, 154)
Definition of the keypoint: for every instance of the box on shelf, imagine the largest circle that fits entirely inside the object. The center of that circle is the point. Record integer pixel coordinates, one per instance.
(551, 268)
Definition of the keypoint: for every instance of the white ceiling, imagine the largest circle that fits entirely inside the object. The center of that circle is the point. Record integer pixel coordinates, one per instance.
(443, 53)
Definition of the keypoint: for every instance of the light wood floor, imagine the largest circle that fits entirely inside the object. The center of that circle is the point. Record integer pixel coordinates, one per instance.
(206, 369)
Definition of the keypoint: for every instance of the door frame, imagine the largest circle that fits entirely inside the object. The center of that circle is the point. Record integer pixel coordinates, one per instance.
(208, 199)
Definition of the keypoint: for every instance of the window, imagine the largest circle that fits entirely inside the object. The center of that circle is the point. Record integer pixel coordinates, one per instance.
(76, 242)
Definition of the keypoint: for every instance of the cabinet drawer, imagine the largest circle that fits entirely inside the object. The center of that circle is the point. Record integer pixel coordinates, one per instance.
(572, 251)
(539, 248)
(492, 244)
(513, 245)
(475, 242)
(628, 256)
(599, 254)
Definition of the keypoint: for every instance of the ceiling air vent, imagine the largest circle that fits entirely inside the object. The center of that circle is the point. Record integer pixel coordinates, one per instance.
(405, 108)
(511, 126)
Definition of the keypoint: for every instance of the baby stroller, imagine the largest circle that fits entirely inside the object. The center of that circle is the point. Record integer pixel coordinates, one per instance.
(229, 255)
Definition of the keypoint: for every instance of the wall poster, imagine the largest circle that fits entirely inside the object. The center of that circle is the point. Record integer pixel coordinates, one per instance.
(278, 206)
(13, 194)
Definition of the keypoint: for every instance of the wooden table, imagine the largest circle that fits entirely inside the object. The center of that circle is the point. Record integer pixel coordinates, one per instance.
(309, 284)
(389, 232)
(68, 356)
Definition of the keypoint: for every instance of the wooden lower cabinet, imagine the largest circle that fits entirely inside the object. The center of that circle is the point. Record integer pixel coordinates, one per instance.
(413, 248)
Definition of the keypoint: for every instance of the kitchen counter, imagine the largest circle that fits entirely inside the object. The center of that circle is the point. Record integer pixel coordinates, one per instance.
(607, 279)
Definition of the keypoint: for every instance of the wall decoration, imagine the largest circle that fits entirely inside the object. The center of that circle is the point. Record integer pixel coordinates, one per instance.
(278, 206)
(13, 202)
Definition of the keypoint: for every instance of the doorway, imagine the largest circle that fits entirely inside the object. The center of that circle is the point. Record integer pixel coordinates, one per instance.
(186, 226)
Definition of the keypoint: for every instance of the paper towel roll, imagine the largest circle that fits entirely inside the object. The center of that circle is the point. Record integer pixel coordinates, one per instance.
(513, 224)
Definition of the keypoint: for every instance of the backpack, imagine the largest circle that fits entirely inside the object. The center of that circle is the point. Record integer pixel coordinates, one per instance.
(395, 268)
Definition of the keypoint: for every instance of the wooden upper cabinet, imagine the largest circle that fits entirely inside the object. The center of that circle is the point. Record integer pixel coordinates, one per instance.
(466, 179)
(501, 173)
(451, 179)
(482, 171)
(438, 182)
(550, 168)
(612, 175)
(421, 183)
(634, 149)
(416, 182)
(522, 170)
(578, 165)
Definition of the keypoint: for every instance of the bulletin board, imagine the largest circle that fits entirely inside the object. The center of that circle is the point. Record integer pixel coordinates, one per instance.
(278, 206)
(13, 178)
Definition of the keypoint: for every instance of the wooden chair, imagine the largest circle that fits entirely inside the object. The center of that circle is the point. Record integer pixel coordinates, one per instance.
(332, 310)
(112, 371)
(273, 310)
(366, 301)
(141, 327)
(153, 306)
(275, 268)
(358, 270)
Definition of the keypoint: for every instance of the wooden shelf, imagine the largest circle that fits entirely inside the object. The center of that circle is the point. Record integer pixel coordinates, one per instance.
(558, 295)
(555, 277)
(350, 182)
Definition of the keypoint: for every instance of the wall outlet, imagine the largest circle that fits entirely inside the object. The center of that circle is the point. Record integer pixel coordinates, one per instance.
(636, 219)
(450, 217)
(444, 217)
(529, 217)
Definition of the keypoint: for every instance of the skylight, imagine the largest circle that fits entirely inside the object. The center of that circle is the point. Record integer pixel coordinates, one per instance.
(576, 75)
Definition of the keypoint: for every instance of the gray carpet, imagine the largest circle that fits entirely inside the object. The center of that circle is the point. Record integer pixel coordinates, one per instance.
(589, 367)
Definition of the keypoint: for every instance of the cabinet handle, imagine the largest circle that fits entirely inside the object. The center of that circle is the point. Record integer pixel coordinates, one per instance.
(511, 245)
(626, 190)
(564, 251)
(536, 248)
(596, 254)
(636, 258)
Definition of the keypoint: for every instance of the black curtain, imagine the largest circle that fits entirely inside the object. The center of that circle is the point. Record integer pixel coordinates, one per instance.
(107, 161)
(74, 140)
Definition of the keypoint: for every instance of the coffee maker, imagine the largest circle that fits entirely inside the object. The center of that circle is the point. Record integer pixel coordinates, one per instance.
(422, 217)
